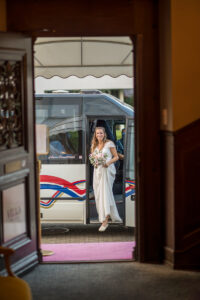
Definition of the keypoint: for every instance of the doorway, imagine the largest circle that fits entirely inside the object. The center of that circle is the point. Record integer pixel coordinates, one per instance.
(118, 131)
(67, 150)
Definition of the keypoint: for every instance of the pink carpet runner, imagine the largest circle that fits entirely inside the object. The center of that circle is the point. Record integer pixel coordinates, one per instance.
(89, 251)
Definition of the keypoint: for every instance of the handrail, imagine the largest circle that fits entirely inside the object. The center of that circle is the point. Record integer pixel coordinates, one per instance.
(7, 252)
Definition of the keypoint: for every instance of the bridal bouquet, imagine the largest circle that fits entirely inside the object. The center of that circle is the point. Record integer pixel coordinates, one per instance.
(97, 158)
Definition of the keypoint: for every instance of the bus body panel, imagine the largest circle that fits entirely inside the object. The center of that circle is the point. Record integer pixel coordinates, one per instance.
(64, 211)
(130, 212)
(58, 181)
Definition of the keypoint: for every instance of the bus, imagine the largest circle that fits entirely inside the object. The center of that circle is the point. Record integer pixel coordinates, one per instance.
(69, 121)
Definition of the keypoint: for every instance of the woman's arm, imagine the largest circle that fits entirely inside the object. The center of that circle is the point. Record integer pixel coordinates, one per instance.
(114, 159)
(121, 156)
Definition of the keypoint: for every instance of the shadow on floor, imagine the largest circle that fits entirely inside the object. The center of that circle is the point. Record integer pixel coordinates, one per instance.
(79, 233)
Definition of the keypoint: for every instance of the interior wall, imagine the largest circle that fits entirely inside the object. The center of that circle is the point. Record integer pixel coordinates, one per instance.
(185, 25)
(3, 26)
(180, 124)
(179, 25)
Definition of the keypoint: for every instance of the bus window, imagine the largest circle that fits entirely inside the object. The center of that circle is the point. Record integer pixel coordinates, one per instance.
(120, 134)
(65, 127)
(119, 128)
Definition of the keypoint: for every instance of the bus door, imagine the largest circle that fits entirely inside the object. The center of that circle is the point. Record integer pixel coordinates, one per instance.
(114, 128)
(62, 176)
(130, 175)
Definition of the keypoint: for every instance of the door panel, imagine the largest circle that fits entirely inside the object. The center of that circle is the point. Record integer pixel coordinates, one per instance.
(17, 160)
(130, 175)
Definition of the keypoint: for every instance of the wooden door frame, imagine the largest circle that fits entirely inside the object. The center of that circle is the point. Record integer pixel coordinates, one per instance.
(139, 103)
(139, 20)
(139, 232)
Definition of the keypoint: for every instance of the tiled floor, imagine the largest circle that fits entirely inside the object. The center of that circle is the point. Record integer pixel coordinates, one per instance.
(78, 233)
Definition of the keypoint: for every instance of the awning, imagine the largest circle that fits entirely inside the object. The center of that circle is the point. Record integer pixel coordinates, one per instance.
(95, 56)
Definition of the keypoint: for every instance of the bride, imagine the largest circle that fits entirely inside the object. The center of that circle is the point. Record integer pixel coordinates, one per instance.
(103, 177)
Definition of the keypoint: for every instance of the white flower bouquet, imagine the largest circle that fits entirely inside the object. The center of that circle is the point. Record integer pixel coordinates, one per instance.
(97, 158)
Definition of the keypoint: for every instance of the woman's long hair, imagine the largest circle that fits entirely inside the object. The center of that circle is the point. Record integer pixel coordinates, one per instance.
(95, 142)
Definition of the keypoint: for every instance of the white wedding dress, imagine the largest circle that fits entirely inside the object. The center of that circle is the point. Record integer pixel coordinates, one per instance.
(103, 179)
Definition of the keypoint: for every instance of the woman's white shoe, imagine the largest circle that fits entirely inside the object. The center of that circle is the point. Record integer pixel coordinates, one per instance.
(103, 228)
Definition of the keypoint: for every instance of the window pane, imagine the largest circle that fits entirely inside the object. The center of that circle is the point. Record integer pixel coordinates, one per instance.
(65, 129)
(14, 217)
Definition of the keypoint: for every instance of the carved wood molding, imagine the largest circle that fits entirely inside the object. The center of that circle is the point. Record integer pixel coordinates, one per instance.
(11, 129)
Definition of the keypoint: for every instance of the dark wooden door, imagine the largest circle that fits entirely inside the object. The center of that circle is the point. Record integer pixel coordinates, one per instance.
(18, 218)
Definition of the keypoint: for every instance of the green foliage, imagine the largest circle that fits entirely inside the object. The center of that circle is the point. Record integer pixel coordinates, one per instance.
(129, 100)
(118, 134)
